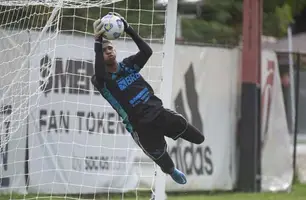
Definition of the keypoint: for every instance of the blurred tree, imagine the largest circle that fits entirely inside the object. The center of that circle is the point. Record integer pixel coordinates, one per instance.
(299, 23)
(221, 21)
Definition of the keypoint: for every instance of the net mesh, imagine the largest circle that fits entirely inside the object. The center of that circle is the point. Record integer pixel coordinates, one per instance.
(61, 3)
(59, 137)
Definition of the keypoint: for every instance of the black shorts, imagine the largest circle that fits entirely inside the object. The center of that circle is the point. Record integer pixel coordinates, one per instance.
(150, 136)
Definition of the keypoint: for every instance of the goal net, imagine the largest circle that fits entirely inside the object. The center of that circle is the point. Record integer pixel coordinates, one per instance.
(59, 138)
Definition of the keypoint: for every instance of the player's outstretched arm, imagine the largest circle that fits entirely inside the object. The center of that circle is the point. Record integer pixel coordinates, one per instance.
(145, 51)
(100, 69)
(143, 47)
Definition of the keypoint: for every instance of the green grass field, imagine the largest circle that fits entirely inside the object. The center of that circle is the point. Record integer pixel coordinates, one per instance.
(298, 193)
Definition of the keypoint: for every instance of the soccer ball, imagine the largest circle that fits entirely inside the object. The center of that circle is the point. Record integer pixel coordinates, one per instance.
(113, 26)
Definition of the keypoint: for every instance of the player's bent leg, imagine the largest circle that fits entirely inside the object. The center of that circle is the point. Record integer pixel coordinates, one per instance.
(167, 166)
(176, 126)
(156, 149)
(192, 134)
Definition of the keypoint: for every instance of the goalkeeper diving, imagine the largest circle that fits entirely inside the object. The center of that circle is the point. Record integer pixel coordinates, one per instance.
(143, 114)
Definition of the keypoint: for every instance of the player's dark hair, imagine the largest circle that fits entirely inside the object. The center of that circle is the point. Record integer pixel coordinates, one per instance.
(105, 41)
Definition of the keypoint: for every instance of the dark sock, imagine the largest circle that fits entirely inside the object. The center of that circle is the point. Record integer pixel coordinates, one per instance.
(193, 135)
(165, 163)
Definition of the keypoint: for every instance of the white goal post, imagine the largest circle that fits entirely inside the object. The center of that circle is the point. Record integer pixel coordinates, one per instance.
(59, 137)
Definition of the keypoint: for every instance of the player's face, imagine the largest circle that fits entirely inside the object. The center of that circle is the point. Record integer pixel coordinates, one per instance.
(109, 54)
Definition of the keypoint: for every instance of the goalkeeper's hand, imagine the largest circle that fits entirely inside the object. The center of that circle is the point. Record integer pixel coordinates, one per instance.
(98, 29)
(126, 24)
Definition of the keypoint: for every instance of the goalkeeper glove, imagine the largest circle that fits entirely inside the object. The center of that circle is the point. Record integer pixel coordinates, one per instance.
(126, 24)
(98, 29)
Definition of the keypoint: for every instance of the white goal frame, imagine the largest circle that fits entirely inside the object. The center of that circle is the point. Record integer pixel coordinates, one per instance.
(168, 68)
